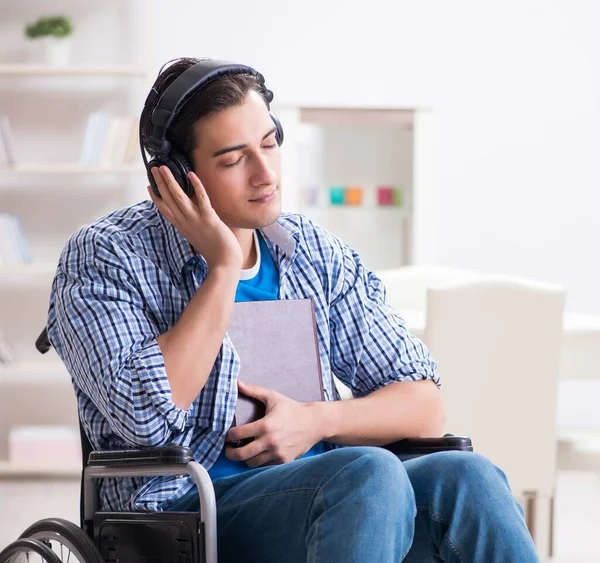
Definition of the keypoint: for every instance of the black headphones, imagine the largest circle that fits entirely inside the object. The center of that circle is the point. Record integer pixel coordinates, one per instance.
(170, 103)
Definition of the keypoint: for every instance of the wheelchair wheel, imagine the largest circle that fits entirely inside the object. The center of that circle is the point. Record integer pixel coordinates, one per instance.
(68, 541)
(26, 550)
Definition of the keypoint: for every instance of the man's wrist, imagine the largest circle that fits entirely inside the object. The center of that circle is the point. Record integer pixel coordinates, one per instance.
(324, 419)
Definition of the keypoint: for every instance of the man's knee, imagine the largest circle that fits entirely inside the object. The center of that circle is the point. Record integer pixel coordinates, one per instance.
(376, 474)
(468, 469)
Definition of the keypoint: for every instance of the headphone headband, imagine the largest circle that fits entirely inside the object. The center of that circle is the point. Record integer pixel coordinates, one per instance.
(175, 96)
(181, 90)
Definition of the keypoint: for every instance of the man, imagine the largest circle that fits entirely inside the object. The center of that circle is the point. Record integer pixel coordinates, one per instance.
(139, 312)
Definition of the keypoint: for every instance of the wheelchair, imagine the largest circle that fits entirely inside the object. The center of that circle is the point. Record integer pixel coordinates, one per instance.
(145, 537)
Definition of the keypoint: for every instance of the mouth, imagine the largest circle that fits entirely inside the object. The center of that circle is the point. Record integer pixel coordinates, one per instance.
(265, 198)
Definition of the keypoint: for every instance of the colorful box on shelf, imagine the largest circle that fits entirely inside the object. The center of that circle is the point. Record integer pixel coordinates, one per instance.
(337, 195)
(354, 195)
(310, 195)
(389, 195)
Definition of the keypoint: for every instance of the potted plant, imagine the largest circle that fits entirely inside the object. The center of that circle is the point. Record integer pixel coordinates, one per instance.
(53, 34)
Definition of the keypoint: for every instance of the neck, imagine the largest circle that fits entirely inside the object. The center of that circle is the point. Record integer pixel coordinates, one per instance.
(245, 239)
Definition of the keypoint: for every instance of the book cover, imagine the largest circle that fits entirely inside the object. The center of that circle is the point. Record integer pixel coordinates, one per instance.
(278, 348)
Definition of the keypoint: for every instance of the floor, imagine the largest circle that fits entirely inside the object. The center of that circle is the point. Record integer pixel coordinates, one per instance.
(576, 530)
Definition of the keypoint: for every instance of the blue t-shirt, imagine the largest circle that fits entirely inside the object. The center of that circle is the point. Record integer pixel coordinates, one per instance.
(260, 283)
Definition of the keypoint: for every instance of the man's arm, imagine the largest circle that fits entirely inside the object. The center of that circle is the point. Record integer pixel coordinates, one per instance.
(399, 410)
(141, 381)
(206, 317)
(204, 320)
(289, 429)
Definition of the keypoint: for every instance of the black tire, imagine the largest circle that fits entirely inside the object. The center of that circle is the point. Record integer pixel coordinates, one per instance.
(66, 534)
(25, 546)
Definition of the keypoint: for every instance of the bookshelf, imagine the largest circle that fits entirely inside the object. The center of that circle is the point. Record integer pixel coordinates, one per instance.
(52, 191)
(67, 168)
(385, 155)
(83, 71)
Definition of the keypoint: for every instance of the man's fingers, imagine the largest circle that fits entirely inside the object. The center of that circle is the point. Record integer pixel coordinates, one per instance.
(255, 391)
(164, 190)
(172, 192)
(253, 449)
(161, 205)
(265, 458)
(201, 194)
(250, 430)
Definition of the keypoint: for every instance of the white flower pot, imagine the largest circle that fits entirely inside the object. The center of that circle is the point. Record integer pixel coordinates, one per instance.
(54, 51)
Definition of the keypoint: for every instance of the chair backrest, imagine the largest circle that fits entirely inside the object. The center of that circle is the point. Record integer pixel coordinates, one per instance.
(497, 343)
(406, 287)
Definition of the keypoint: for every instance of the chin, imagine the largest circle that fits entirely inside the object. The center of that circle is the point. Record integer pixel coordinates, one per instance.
(269, 218)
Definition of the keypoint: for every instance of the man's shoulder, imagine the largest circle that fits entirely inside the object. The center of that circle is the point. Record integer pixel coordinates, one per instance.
(115, 228)
(304, 229)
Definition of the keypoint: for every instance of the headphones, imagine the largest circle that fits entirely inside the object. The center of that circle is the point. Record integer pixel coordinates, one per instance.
(177, 94)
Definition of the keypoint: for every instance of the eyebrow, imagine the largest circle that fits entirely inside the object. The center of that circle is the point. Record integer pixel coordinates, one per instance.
(241, 147)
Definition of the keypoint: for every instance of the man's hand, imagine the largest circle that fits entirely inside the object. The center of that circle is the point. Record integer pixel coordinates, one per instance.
(196, 220)
(288, 430)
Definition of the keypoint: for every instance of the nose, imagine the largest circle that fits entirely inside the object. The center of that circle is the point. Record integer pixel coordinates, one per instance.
(262, 173)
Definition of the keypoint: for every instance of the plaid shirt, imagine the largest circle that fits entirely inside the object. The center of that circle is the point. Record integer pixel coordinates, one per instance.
(126, 278)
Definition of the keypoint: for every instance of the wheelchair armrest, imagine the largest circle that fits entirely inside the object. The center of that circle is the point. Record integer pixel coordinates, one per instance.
(169, 454)
(423, 446)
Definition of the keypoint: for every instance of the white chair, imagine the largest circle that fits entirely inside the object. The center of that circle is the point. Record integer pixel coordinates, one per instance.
(406, 291)
(497, 342)
(407, 286)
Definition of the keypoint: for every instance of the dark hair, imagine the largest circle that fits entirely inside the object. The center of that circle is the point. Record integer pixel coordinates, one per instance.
(221, 93)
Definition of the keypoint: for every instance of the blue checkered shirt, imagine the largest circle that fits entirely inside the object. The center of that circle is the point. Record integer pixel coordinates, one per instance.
(126, 278)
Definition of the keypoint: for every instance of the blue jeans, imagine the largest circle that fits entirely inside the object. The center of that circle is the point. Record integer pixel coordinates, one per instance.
(362, 505)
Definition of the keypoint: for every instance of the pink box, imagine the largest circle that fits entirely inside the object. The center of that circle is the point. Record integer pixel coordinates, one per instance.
(49, 446)
(385, 195)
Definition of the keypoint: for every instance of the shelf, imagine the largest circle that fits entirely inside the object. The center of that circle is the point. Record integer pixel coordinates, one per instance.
(69, 168)
(29, 471)
(27, 274)
(403, 118)
(37, 70)
(34, 372)
(356, 208)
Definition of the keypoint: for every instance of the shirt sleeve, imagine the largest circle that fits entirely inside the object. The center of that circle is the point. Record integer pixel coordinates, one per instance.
(102, 331)
(370, 344)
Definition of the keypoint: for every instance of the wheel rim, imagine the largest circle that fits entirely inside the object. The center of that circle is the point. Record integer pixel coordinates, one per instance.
(60, 545)
(28, 550)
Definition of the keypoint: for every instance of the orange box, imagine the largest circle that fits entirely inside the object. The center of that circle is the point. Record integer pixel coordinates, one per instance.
(354, 195)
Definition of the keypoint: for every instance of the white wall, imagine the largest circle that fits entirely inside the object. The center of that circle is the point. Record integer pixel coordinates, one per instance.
(516, 85)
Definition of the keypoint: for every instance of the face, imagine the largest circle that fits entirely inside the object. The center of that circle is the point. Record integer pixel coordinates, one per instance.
(238, 161)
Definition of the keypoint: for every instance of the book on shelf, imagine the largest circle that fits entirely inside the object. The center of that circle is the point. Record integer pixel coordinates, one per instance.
(109, 140)
(14, 248)
(7, 145)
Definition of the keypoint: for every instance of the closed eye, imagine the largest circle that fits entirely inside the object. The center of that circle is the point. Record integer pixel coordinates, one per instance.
(232, 164)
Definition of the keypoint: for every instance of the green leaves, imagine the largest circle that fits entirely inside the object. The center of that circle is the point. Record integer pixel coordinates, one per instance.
(57, 26)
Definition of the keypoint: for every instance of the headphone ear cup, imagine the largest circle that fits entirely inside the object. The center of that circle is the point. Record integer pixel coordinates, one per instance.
(180, 168)
(154, 162)
(279, 131)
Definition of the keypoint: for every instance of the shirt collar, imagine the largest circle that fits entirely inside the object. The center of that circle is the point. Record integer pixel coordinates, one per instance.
(284, 234)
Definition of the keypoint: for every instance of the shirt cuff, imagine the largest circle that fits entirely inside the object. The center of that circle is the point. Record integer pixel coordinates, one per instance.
(149, 365)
